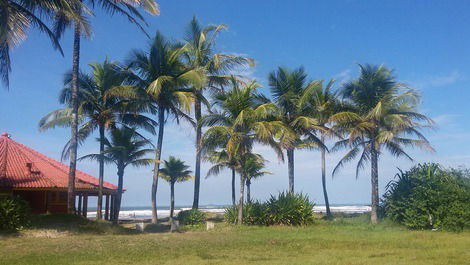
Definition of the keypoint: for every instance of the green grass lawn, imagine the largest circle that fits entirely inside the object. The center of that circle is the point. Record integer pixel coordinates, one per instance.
(347, 241)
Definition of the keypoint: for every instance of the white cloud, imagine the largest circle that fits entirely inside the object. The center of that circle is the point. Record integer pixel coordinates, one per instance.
(439, 80)
(343, 76)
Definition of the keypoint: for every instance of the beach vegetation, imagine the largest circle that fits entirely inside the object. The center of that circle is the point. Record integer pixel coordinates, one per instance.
(200, 53)
(124, 147)
(286, 208)
(383, 116)
(15, 213)
(191, 217)
(174, 170)
(429, 196)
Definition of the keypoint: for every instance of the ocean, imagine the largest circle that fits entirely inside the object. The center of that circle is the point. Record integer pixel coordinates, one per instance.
(130, 213)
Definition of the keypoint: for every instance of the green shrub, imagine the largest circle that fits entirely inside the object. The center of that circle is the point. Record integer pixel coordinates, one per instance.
(429, 197)
(253, 214)
(231, 214)
(284, 209)
(14, 213)
(191, 217)
(290, 209)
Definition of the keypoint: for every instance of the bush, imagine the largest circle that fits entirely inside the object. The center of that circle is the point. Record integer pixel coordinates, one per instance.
(429, 197)
(284, 209)
(253, 214)
(290, 209)
(14, 213)
(191, 217)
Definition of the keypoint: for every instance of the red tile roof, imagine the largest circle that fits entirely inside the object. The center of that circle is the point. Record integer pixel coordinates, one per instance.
(23, 168)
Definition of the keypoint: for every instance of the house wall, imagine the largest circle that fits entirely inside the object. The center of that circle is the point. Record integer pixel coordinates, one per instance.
(44, 201)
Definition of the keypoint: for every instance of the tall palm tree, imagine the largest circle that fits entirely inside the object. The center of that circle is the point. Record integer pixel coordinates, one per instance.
(221, 160)
(200, 54)
(384, 116)
(18, 16)
(98, 110)
(322, 103)
(79, 21)
(174, 171)
(159, 76)
(125, 148)
(245, 119)
(252, 169)
(287, 88)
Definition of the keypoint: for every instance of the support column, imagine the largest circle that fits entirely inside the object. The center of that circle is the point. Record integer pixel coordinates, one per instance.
(79, 208)
(85, 205)
(106, 208)
(111, 212)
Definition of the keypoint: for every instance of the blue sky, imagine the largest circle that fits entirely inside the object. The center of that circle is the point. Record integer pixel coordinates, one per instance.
(426, 42)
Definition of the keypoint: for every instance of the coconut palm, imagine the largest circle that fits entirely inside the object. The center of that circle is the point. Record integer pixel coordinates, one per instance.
(79, 21)
(18, 17)
(200, 54)
(159, 77)
(125, 147)
(384, 116)
(322, 103)
(97, 109)
(221, 160)
(252, 169)
(173, 171)
(287, 88)
(244, 119)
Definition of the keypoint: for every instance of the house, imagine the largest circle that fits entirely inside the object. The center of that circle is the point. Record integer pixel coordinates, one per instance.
(43, 181)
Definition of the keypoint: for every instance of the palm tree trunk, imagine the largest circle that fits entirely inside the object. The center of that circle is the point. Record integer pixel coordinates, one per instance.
(74, 140)
(323, 179)
(172, 200)
(233, 187)
(99, 207)
(290, 165)
(156, 169)
(118, 200)
(248, 190)
(240, 203)
(197, 171)
(374, 184)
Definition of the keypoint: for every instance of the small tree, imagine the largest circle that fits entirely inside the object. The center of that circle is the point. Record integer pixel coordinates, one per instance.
(252, 168)
(125, 147)
(174, 170)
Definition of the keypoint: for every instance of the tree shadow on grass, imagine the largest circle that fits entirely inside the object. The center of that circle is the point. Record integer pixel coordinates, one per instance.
(76, 224)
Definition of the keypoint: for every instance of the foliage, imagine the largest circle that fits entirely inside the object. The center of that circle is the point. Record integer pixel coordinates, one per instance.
(429, 197)
(284, 209)
(290, 209)
(175, 170)
(191, 217)
(255, 213)
(14, 213)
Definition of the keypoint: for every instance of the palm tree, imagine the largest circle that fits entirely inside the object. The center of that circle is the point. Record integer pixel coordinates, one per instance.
(200, 54)
(63, 20)
(221, 160)
(384, 115)
(174, 170)
(18, 16)
(252, 169)
(322, 103)
(244, 119)
(159, 76)
(287, 88)
(125, 148)
(98, 110)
